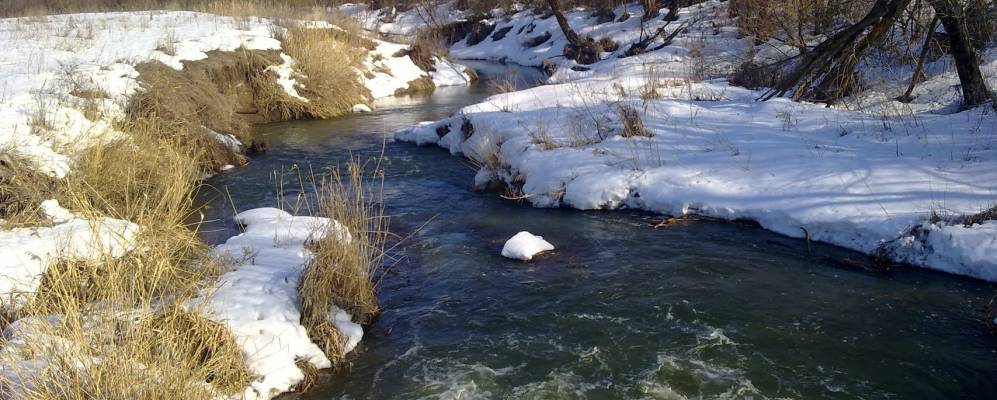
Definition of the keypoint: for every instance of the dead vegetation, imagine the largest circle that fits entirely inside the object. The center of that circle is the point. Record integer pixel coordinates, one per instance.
(228, 92)
(631, 122)
(16, 8)
(328, 61)
(822, 44)
(22, 189)
(347, 257)
(212, 95)
(421, 85)
(989, 214)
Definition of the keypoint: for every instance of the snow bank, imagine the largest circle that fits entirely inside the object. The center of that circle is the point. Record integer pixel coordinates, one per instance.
(258, 300)
(954, 248)
(525, 245)
(860, 178)
(28, 252)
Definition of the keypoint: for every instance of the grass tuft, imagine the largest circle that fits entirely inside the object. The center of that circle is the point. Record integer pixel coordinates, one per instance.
(22, 189)
(328, 63)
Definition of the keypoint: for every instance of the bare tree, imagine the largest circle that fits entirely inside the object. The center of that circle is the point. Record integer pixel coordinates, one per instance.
(951, 13)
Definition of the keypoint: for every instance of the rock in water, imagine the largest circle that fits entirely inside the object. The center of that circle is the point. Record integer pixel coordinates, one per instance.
(524, 246)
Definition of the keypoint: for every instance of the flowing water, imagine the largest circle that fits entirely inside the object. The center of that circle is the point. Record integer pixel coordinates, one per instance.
(621, 309)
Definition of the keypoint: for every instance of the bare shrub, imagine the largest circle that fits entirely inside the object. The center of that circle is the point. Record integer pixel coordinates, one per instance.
(754, 76)
(631, 122)
(794, 20)
(989, 214)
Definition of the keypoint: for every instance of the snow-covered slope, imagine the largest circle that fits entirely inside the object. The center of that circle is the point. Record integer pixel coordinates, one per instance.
(647, 132)
(390, 21)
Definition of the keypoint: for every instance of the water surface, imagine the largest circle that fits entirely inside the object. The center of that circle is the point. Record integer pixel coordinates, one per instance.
(622, 309)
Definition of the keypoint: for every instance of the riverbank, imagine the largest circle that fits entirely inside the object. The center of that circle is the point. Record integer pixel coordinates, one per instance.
(110, 121)
(664, 130)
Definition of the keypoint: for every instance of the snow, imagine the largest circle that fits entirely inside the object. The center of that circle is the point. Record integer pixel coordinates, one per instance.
(957, 249)
(525, 245)
(285, 76)
(862, 175)
(230, 141)
(391, 71)
(27, 252)
(448, 73)
(389, 21)
(258, 299)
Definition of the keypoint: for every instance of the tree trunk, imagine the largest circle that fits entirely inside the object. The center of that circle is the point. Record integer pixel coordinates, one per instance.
(650, 9)
(573, 38)
(824, 59)
(967, 60)
(581, 50)
(841, 77)
(673, 10)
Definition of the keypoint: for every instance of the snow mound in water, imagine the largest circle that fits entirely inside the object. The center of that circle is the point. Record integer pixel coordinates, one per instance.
(524, 246)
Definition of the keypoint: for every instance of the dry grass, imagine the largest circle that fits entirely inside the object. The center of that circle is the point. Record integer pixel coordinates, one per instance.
(22, 189)
(230, 91)
(119, 327)
(271, 8)
(631, 122)
(117, 353)
(328, 60)
(505, 84)
(342, 271)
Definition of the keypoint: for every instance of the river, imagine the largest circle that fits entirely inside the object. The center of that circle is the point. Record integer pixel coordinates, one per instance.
(703, 309)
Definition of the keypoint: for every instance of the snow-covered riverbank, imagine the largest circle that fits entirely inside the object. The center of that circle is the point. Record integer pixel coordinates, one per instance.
(55, 62)
(649, 132)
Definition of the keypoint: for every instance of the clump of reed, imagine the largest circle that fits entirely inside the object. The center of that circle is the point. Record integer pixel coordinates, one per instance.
(347, 257)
